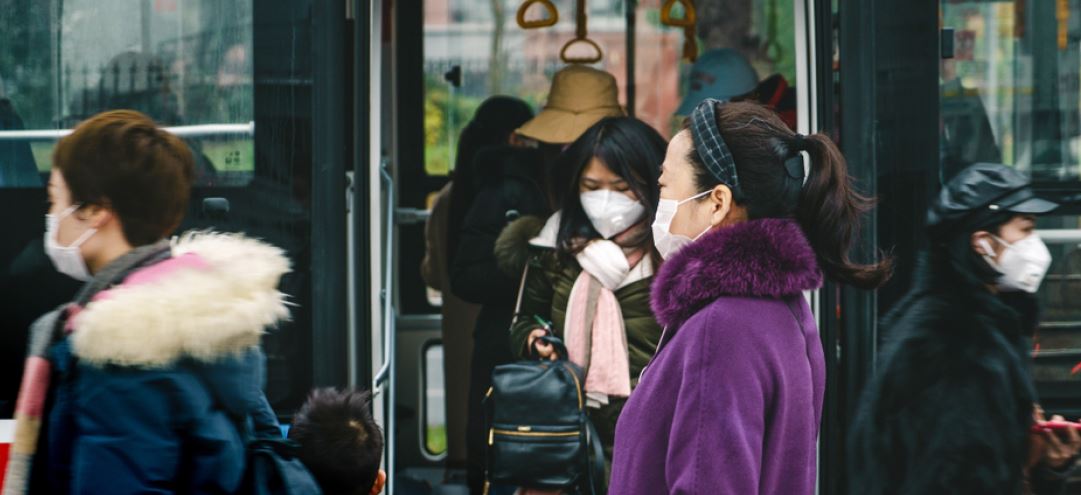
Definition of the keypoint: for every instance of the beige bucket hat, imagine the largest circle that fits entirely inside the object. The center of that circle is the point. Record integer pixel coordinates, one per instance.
(580, 97)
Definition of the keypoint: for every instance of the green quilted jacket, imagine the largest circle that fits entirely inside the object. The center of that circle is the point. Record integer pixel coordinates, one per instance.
(544, 293)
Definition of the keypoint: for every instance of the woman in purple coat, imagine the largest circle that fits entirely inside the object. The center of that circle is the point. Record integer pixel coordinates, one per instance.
(732, 400)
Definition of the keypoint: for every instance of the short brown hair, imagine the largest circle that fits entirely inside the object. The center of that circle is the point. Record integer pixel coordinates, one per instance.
(122, 161)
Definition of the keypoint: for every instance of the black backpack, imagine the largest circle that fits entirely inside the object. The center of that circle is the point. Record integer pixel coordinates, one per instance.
(539, 435)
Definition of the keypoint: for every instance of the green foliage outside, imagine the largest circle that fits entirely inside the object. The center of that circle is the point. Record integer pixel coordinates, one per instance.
(236, 155)
(444, 117)
(436, 439)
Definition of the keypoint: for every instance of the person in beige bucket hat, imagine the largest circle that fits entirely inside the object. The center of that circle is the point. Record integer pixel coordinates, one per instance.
(580, 97)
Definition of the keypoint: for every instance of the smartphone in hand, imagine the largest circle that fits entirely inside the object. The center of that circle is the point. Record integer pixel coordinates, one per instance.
(1055, 426)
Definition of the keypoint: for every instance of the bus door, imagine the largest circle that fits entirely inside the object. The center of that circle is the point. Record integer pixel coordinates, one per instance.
(442, 58)
(236, 81)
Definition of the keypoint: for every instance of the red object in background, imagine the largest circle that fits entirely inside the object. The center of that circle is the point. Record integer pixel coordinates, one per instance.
(4, 447)
(7, 435)
(965, 45)
(165, 6)
(1055, 426)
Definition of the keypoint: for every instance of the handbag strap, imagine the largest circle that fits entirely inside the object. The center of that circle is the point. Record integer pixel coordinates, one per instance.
(594, 453)
(521, 293)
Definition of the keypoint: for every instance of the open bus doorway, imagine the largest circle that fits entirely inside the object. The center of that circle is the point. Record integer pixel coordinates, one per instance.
(456, 53)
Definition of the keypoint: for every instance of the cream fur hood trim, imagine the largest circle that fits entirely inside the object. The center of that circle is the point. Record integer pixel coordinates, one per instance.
(205, 313)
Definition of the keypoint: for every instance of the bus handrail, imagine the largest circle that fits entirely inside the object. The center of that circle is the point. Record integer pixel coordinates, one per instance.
(387, 375)
(388, 279)
(184, 131)
(1060, 236)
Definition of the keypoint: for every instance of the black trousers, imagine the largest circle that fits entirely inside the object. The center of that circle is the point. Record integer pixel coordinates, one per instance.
(491, 348)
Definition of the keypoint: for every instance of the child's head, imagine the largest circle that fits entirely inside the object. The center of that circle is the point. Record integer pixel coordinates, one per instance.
(340, 443)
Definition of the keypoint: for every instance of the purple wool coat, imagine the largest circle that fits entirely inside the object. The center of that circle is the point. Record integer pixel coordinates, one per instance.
(731, 402)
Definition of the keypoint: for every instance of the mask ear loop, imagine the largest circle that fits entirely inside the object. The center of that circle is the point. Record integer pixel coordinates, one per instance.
(68, 211)
(989, 256)
(696, 196)
(87, 234)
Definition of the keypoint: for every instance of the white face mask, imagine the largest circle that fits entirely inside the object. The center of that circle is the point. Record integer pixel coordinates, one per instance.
(611, 212)
(1023, 264)
(666, 242)
(67, 259)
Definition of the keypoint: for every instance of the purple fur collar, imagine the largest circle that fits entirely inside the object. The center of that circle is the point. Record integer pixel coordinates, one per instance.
(760, 258)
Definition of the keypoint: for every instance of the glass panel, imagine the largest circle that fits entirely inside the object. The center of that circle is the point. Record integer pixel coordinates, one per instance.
(496, 56)
(1010, 93)
(761, 33)
(435, 403)
(199, 66)
(482, 39)
(1057, 344)
(657, 66)
(184, 63)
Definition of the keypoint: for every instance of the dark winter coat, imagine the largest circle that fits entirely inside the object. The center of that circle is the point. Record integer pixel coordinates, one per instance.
(153, 388)
(546, 289)
(950, 407)
(512, 187)
(732, 401)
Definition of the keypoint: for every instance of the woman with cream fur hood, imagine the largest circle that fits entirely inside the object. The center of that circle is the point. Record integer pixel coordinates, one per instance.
(151, 379)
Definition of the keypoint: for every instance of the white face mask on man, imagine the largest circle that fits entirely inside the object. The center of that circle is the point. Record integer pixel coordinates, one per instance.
(1023, 264)
(664, 240)
(67, 259)
(611, 212)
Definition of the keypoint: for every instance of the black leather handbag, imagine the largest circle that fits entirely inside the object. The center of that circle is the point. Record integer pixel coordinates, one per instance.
(539, 435)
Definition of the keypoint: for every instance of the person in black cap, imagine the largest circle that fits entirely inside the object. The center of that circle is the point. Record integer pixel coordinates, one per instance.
(953, 406)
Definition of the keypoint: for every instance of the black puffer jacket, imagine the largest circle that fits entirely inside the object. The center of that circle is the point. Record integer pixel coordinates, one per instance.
(512, 187)
(951, 406)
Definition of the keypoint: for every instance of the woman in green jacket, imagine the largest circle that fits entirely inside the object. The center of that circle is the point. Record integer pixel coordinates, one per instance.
(587, 270)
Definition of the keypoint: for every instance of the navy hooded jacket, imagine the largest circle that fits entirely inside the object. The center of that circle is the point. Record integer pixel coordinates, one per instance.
(154, 387)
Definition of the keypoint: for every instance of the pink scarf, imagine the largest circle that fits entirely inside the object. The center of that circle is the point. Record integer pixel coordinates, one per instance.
(594, 330)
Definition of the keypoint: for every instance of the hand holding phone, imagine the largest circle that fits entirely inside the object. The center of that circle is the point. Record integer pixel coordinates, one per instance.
(1055, 425)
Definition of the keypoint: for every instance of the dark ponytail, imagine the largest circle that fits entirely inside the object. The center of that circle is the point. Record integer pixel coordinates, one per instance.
(829, 212)
(827, 206)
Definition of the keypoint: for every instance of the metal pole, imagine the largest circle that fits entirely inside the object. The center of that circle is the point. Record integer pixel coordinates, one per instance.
(184, 131)
(632, 47)
(388, 373)
(144, 19)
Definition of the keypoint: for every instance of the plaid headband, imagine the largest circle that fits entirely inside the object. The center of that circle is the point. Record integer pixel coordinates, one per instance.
(710, 145)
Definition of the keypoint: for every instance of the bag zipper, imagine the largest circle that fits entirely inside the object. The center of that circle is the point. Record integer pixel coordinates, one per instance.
(577, 385)
(524, 431)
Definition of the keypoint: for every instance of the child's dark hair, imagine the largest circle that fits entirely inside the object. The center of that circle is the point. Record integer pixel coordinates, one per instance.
(828, 207)
(339, 441)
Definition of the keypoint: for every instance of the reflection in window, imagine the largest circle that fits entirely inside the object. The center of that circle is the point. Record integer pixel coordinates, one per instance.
(435, 402)
(183, 63)
(1010, 93)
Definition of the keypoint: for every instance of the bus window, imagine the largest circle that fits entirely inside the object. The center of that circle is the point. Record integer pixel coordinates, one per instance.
(1010, 93)
(474, 49)
(480, 46)
(186, 64)
(435, 410)
(191, 65)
